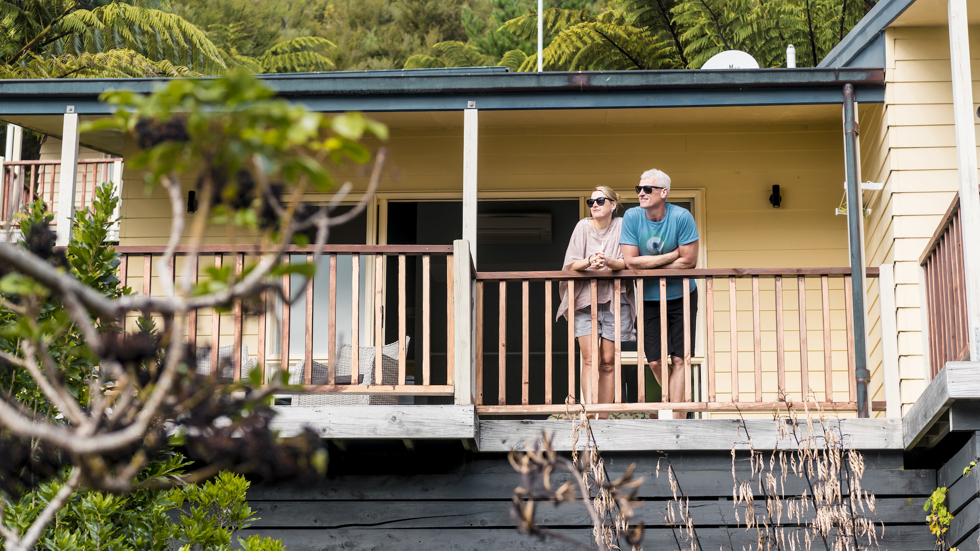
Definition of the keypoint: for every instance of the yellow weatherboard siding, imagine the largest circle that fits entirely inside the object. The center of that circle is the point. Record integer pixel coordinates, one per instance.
(908, 143)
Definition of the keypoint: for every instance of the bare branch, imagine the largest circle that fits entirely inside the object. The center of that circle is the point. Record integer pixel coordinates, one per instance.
(28, 540)
(55, 392)
(171, 183)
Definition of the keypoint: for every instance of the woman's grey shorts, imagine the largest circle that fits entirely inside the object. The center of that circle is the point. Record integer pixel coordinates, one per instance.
(606, 322)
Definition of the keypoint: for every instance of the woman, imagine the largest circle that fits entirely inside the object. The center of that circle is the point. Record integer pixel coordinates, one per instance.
(594, 246)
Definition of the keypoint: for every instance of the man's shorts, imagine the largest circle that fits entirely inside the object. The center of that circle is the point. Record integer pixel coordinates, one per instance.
(606, 321)
(675, 327)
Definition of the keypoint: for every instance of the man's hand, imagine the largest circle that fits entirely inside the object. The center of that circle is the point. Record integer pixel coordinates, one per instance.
(636, 261)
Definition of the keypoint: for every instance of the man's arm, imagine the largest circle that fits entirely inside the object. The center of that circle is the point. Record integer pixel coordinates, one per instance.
(636, 261)
(687, 257)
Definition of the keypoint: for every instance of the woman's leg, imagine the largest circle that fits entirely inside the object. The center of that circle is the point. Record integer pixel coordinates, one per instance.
(607, 372)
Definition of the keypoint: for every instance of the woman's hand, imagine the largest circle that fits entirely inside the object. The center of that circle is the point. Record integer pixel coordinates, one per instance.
(597, 261)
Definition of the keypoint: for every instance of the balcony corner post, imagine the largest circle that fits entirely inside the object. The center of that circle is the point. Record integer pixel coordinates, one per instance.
(464, 320)
(471, 133)
(855, 234)
(966, 163)
(69, 175)
(889, 341)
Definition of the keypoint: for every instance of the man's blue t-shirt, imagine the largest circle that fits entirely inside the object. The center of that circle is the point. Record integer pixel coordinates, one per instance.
(656, 238)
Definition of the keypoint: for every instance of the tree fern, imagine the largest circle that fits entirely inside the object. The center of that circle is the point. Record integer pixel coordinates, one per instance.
(451, 53)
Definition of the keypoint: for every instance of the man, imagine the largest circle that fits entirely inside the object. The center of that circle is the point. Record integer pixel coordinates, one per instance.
(660, 235)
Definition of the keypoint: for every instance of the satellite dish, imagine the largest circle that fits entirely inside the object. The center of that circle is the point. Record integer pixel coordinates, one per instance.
(731, 59)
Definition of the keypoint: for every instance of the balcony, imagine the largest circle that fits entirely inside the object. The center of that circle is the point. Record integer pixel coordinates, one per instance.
(430, 330)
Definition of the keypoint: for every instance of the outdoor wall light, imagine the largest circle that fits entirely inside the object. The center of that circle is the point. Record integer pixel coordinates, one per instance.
(775, 199)
(191, 202)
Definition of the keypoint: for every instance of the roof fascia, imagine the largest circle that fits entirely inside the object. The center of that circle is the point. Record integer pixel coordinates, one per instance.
(864, 33)
(424, 92)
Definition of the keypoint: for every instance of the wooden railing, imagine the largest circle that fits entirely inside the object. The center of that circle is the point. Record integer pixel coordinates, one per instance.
(24, 181)
(773, 335)
(343, 307)
(945, 290)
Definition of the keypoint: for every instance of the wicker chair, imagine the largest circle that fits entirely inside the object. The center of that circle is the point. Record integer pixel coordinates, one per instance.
(225, 355)
(366, 371)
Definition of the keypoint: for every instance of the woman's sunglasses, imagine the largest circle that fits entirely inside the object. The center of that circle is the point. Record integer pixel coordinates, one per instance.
(600, 200)
(647, 189)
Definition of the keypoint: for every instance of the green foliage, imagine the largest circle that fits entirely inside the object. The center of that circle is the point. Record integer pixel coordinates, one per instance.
(192, 516)
(89, 259)
(450, 54)
(939, 516)
(62, 38)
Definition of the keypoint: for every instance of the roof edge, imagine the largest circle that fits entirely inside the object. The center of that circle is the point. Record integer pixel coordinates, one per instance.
(864, 33)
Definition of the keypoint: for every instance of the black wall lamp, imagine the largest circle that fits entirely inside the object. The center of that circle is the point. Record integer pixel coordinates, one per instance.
(191, 202)
(775, 199)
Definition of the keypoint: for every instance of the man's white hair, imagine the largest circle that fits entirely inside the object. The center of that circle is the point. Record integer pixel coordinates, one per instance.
(659, 178)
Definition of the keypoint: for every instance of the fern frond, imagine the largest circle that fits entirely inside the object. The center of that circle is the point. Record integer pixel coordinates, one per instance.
(422, 61)
(513, 59)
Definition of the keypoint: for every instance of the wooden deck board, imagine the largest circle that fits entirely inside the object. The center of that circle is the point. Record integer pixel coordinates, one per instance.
(379, 421)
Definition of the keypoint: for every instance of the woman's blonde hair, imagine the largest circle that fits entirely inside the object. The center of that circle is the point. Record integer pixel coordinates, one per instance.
(610, 194)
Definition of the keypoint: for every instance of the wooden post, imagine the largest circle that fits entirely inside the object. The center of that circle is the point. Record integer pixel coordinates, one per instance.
(889, 340)
(966, 163)
(464, 322)
(117, 186)
(69, 173)
(470, 138)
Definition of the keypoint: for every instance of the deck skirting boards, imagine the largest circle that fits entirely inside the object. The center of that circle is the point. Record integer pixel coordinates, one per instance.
(379, 421)
(689, 435)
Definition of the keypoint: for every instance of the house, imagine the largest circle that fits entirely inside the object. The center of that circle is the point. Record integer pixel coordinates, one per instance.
(857, 296)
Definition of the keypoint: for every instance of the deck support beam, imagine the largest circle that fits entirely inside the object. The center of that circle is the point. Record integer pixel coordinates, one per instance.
(855, 234)
(889, 341)
(69, 175)
(966, 163)
(464, 319)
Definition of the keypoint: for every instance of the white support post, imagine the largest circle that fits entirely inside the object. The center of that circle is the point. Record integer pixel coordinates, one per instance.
(464, 322)
(69, 174)
(15, 143)
(471, 132)
(966, 163)
(117, 184)
(889, 340)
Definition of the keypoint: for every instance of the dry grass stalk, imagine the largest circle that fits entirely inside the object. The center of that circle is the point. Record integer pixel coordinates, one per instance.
(831, 513)
(610, 503)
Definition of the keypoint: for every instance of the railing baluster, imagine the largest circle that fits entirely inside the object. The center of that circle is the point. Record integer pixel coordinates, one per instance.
(51, 187)
(525, 343)
(123, 279)
(757, 337)
(804, 349)
(709, 296)
(260, 352)
(849, 319)
(355, 321)
(593, 382)
(665, 359)
(401, 321)
(216, 329)
(308, 333)
(237, 345)
(451, 333)
(30, 184)
(332, 360)
(733, 335)
(688, 394)
(828, 353)
(571, 340)
(502, 346)
(379, 304)
(192, 315)
(780, 345)
(427, 325)
(547, 343)
(641, 361)
(84, 168)
(286, 293)
(479, 344)
(617, 334)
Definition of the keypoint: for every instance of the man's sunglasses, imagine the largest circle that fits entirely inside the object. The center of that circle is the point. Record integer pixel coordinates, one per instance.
(647, 189)
(600, 200)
